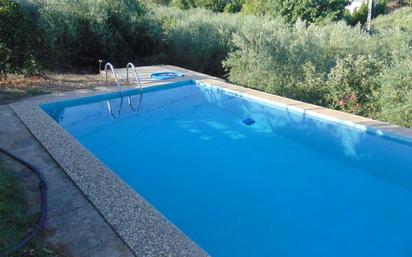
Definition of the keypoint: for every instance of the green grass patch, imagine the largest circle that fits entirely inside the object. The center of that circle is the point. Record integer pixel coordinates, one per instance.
(15, 221)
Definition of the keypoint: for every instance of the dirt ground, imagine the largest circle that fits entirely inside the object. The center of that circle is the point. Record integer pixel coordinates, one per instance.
(16, 87)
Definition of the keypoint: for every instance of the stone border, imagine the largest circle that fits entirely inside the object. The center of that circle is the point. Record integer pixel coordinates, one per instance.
(145, 230)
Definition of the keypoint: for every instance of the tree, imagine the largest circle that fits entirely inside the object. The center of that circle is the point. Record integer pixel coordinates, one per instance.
(370, 6)
(361, 15)
(312, 11)
(213, 5)
(18, 40)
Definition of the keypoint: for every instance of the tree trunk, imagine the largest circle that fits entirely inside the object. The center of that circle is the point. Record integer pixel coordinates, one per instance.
(370, 6)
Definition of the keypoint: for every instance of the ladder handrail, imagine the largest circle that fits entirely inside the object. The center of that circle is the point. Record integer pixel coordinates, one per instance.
(109, 65)
(109, 106)
(138, 82)
(135, 74)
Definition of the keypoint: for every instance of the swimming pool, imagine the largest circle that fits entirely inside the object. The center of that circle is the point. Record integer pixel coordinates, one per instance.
(286, 184)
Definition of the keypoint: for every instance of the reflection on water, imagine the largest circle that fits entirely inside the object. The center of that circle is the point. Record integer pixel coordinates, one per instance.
(139, 102)
(57, 113)
(115, 115)
(284, 121)
(119, 101)
(359, 148)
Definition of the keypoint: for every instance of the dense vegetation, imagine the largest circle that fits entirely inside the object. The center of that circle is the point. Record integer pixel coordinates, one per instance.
(18, 41)
(332, 65)
(77, 35)
(293, 10)
(317, 60)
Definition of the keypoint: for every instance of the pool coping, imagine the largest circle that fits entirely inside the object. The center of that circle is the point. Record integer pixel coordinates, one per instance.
(144, 229)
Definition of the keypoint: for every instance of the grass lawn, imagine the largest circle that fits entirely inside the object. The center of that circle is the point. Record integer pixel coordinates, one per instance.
(16, 221)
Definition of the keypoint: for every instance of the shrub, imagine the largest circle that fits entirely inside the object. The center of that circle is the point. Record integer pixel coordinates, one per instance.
(358, 16)
(293, 61)
(310, 11)
(213, 5)
(18, 43)
(234, 6)
(398, 20)
(353, 85)
(197, 39)
(396, 94)
(361, 15)
(333, 65)
(77, 35)
(394, 34)
(183, 4)
(379, 8)
(266, 56)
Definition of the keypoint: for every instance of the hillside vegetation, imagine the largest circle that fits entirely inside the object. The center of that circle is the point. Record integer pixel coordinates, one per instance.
(328, 63)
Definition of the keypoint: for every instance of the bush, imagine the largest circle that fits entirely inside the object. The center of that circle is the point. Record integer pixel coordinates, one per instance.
(77, 35)
(213, 5)
(398, 20)
(333, 65)
(361, 15)
(18, 43)
(358, 16)
(293, 61)
(312, 11)
(266, 56)
(379, 8)
(353, 85)
(234, 6)
(183, 4)
(396, 94)
(197, 39)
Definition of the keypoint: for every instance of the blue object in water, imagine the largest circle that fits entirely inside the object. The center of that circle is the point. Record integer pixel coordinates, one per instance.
(166, 75)
(248, 121)
(309, 187)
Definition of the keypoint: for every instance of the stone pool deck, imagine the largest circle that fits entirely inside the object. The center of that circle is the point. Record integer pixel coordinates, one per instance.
(73, 225)
(143, 229)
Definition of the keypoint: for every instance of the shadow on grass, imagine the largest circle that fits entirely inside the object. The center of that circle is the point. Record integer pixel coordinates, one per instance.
(12, 95)
(16, 220)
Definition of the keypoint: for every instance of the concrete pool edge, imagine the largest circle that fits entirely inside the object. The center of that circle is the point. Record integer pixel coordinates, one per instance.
(140, 226)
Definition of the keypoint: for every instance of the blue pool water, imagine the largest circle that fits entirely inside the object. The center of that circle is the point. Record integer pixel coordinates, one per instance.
(285, 185)
(166, 75)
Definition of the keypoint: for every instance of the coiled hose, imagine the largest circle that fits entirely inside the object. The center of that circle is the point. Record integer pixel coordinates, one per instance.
(43, 212)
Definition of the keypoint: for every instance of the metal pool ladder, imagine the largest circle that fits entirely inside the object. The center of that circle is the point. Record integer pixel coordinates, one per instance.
(137, 80)
(110, 66)
(109, 103)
